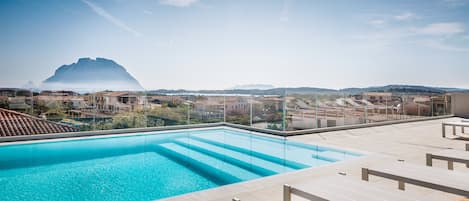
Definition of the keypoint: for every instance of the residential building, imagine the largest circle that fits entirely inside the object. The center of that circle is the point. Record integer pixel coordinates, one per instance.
(14, 123)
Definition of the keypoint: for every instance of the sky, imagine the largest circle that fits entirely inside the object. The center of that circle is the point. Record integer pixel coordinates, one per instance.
(218, 44)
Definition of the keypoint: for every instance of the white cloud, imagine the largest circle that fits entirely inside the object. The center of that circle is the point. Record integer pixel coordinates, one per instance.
(285, 11)
(147, 12)
(433, 36)
(178, 3)
(103, 13)
(377, 22)
(456, 3)
(405, 16)
(448, 28)
(442, 46)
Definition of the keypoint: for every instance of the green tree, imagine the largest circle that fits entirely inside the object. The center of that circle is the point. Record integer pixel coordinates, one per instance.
(4, 103)
(129, 120)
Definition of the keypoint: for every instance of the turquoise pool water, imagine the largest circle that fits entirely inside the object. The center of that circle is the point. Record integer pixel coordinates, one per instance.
(150, 166)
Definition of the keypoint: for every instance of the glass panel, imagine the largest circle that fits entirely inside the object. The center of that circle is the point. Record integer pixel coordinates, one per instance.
(282, 111)
(169, 109)
(207, 109)
(267, 111)
(237, 109)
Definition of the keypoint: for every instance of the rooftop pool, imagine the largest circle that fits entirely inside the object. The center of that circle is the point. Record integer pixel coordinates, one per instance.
(150, 166)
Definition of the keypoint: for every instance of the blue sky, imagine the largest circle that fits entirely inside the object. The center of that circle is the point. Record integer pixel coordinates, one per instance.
(217, 44)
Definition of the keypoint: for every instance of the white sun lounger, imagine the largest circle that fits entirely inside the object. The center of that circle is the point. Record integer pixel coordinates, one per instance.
(343, 188)
(449, 155)
(433, 178)
(454, 125)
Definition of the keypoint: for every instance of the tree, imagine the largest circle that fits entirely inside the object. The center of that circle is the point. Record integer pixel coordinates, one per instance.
(4, 103)
(177, 115)
(129, 120)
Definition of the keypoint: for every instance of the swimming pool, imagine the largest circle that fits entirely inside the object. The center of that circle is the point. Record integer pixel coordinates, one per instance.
(150, 166)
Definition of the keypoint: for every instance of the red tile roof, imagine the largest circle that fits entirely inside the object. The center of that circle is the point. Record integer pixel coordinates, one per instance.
(14, 123)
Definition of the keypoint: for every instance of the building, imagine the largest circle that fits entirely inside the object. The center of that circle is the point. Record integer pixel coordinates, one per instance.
(57, 102)
(58, 93)
(14, 123)
(459, 104)
(20, 103)
(116, 102)
(12, 92)
(377, 97)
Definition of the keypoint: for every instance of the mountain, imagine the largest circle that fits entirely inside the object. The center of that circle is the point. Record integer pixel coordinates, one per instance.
(274, 91)
(254, 86)
(92, 75)
(403, 89)
(312, 90)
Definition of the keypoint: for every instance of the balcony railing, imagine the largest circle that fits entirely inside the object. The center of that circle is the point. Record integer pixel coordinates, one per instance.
(282, 112)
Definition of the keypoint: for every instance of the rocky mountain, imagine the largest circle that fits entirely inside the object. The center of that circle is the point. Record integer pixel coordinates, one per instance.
(312, 90)
(254, 86)
(92, 75)
(403, 89)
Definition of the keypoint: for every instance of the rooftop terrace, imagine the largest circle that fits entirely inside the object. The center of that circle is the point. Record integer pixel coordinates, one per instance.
(382, 144)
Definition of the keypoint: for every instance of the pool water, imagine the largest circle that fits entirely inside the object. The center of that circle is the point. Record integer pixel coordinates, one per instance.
(150, 166)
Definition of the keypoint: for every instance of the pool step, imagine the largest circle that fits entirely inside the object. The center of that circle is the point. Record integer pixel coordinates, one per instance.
(333, 155)
(297, 157)
(246, 161)
(208, 165)
(268, 157)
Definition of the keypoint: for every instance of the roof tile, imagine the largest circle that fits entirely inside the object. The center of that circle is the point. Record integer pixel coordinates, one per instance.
(14, 123)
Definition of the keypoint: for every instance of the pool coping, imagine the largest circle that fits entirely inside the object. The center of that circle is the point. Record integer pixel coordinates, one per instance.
(8, 139)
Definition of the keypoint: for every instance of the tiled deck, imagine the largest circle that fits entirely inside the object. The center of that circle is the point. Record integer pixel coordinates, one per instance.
(408, 141)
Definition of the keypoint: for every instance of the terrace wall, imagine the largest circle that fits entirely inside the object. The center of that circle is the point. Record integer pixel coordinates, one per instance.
(460, 104)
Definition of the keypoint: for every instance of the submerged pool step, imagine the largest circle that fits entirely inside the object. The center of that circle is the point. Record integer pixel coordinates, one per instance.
(337, 156)
(268, 157)
(297, 157)
(246, 161)
(215, 168)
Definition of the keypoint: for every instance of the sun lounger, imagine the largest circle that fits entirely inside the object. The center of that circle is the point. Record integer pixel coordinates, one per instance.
(464, 121)
(454, 125)
(450, 155)
(343, 188)
(433, 178)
